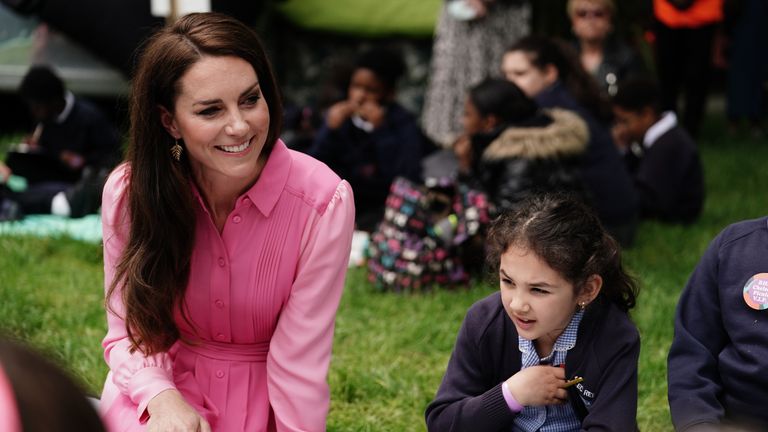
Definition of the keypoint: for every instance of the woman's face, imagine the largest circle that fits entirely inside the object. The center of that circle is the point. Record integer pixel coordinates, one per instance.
(223, 119)
(590, 21)
(517, 67)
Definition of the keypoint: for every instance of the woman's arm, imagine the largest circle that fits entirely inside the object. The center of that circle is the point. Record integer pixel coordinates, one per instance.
(300, 350)
(137, 376)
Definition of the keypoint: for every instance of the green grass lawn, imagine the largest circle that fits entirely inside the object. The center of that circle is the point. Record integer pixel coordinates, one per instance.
(391, 350)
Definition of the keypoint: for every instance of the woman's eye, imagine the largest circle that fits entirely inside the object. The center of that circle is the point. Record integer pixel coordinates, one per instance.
(539, 291)
(208, 112)
(252, 99)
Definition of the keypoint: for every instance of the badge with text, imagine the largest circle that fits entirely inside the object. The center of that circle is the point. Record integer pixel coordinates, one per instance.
(756, 291)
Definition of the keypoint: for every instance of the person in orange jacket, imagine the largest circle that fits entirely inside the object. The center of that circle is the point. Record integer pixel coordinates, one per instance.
(684, 33)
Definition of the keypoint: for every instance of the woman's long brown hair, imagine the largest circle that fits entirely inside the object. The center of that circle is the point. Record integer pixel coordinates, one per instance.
(153, 270)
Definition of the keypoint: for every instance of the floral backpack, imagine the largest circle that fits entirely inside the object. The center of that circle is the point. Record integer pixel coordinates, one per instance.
(419, 243)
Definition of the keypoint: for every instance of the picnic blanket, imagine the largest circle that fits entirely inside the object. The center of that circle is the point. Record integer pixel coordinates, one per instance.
(87, 229)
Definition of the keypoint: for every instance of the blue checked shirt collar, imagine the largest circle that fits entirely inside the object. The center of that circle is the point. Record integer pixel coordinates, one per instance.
(550, 418)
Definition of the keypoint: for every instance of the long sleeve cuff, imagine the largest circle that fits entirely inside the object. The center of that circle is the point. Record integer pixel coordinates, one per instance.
(146, 384)
(512, 403)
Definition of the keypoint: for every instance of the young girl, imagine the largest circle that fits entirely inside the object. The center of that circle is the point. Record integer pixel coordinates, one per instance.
(511, 148)
(561, 314)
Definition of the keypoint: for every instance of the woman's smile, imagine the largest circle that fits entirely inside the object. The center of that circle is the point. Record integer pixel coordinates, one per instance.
(236, 148)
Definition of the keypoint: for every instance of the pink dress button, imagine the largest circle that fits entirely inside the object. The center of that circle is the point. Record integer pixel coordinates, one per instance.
(220, 336)
(220, 373)
(219, 304)
(237, 219)
(222, 263)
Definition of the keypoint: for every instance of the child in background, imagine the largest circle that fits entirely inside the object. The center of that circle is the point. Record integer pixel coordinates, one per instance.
(718, 361)
(511, 149)
(369, 139)
(661, 156)
(546, 70)
(561, 313)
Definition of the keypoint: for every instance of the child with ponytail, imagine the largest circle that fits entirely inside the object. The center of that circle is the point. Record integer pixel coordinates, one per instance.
(555, 349)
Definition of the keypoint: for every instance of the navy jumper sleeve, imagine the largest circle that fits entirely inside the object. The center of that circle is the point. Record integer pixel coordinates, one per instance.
(693, 376)
(464, 402)
(717, 362)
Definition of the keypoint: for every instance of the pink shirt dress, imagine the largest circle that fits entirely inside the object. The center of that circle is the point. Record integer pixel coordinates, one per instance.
(262, 298)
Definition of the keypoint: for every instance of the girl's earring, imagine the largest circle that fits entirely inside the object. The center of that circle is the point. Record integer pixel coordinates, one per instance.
(176, 151)
(583, 305)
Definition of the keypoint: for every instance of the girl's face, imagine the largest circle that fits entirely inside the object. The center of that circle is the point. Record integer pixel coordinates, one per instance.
(366, 87)
(517, 67)
(471, 120)
(222, 118)
(538, 300)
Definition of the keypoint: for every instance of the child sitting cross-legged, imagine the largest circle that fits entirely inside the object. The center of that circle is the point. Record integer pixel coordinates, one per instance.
(555, 349)
(369, 138)
(661, 156)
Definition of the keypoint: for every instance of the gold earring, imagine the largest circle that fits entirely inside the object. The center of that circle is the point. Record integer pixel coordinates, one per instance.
(583, 305)
(176, 151)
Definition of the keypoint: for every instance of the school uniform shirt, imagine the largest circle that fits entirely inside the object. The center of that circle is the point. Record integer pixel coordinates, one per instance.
(261, 301)
(549, 418)
(718, 361)
(668, 173)
(486, 354)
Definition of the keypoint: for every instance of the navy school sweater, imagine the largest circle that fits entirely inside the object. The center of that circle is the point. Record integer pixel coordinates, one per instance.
(718, 361)
(486, 354)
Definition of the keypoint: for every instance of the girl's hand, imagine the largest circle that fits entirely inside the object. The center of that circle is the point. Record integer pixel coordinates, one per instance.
(338, 113)
(373, 113)
(462, 149)
(168, 411)
(538, 385)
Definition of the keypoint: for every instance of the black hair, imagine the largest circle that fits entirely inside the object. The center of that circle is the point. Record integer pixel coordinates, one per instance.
(569, 237)
(47, 398)
(42, 85)
(543, 51)
(505, 100)
(385, 63)
(635, 94)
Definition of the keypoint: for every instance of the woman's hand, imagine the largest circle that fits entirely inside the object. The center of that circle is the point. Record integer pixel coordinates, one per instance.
(168, 411)
(538, 385)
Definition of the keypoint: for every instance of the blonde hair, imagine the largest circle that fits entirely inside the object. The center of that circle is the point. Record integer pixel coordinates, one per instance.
(608, 5)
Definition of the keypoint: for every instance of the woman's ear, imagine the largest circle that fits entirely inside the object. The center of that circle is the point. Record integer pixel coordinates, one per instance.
(590, 290)
(551, 74)
(166, 118)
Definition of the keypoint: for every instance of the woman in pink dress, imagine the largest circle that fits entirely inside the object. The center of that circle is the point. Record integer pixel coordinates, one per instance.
(224, 251)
